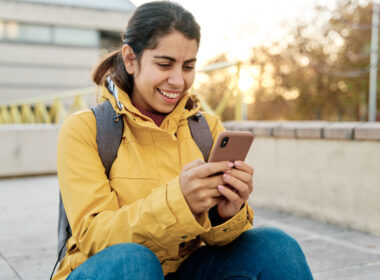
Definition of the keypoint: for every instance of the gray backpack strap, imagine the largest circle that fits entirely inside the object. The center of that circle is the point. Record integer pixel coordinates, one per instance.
(64, 233)
(64, 230)
(109, 132)
(200, 131)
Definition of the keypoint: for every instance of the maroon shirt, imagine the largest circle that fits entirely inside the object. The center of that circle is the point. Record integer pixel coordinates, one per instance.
(156, 117)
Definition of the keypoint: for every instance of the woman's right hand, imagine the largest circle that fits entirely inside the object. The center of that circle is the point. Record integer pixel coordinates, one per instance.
(199, 184)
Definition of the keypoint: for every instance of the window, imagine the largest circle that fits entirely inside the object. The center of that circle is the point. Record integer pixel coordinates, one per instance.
(32, 33)
(45, 34)
(114, 5)
(75, 36)
(11, 30)
(2, 29)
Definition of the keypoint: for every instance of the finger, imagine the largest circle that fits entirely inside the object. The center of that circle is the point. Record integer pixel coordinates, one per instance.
(241, 165)
(213, 181)
(207, 193)
(209, 203)
(215, 193)
(212, 168)
(195, 163)
(241, 175)
(229, 194)
(242, 187)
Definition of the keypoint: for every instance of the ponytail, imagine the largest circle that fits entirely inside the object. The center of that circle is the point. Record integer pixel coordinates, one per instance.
(113, 65)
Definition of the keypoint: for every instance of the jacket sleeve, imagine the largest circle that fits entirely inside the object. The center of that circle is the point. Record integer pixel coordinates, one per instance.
(160, 220)
(226, 232)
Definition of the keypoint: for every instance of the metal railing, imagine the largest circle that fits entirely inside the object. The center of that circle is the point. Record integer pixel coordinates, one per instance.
(52, 108)
(239, 106)
(44, 109)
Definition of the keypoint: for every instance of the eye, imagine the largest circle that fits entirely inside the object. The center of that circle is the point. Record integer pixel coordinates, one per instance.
(164, 65)
(188, 67)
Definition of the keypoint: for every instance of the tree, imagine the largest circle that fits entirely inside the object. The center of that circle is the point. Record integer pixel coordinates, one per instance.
(217, 85)
(319, 71)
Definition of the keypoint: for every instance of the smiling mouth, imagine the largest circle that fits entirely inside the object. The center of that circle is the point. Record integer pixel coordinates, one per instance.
(169, 94)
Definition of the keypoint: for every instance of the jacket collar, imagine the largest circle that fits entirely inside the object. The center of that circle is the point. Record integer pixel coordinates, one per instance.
(186, 107)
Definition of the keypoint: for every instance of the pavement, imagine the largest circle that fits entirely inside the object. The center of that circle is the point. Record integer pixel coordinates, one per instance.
(28, 236)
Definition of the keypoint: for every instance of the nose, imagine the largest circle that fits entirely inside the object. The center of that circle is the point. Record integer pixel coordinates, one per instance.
(176, 78)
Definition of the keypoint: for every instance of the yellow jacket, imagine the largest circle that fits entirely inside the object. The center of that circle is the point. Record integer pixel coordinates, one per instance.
(141, 202)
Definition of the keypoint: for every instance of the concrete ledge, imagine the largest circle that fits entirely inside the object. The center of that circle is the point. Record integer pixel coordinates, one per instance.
(310, 129)
(304, 129)
(367, 131)
(243, 125)
(28, 149)
(265, 129)
(286, 130)
(341, 130)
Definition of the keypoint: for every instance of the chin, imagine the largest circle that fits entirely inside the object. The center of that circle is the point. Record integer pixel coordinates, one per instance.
(165, 109)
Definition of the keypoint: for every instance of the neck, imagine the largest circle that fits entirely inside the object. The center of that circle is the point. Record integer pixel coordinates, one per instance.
(156, 117)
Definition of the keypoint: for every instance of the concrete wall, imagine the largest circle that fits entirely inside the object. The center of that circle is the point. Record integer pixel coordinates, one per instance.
(64, 15)
(28, 149)
(28, 70)
(35, 69)
(327, 171)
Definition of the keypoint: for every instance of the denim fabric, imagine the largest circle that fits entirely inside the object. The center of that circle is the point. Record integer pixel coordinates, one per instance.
(261, 253)
(118, 262)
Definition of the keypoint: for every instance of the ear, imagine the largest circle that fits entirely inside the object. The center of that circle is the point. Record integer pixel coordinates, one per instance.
(129, 59)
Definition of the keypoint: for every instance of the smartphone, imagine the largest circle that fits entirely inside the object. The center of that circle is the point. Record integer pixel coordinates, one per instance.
(231, 146)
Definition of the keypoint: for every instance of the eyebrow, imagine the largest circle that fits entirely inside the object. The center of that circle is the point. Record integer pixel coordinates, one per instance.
(173, 59)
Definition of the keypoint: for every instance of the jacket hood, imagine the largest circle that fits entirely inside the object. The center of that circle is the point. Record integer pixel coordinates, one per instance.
(186, 107)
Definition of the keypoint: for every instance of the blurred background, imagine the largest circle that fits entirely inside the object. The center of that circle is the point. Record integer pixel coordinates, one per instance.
(301, 60)
(300, 74)
(281, 60)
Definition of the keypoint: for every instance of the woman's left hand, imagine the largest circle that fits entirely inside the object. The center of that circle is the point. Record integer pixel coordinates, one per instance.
(240, 180)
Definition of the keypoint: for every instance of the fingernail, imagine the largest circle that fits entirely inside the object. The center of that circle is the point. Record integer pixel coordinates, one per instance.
(231, 164)
(238, 163)
(226, 176)
(220, 187)
(228, 171)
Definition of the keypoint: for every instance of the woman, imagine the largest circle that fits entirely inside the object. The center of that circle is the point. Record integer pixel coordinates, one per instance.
(162, 211)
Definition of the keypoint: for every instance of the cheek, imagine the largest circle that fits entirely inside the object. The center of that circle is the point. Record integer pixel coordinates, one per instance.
(189, 79)
(154, 77)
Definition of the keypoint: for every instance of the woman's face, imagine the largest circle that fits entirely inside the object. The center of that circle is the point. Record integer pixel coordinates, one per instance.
(165, 73)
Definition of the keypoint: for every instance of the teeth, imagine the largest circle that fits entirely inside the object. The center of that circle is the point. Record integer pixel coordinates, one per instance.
(169, 94)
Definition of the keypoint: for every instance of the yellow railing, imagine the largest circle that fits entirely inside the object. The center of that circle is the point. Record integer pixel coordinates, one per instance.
(52, 108)
(223, 103)
(44, 109)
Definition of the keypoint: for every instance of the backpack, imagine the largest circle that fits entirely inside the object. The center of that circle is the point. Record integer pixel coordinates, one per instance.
(109, 132)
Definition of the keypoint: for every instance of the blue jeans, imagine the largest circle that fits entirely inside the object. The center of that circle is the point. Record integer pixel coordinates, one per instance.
(261, 253)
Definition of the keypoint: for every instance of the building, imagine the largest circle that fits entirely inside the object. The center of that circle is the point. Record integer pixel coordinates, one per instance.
(49, 46)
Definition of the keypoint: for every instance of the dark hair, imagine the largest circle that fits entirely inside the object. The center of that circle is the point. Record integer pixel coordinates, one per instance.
(148, 23)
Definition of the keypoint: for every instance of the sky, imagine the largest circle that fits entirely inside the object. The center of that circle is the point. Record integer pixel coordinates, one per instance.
(234, 27)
